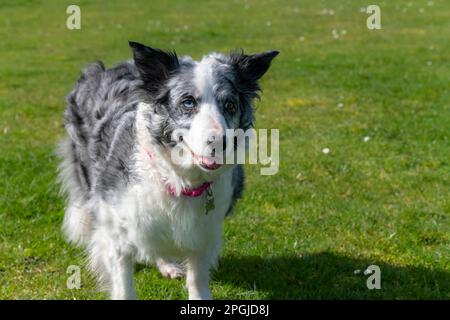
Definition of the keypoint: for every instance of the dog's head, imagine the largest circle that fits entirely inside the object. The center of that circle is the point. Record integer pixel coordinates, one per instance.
(194, 103)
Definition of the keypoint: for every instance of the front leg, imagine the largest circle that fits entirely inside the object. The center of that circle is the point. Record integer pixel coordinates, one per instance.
(114, 265)
(122, 282)
(197, 278)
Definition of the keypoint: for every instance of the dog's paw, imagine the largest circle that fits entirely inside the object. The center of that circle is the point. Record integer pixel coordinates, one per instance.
(170, 270)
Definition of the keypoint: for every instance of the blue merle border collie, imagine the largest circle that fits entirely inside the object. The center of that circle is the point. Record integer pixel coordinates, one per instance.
(128, 201)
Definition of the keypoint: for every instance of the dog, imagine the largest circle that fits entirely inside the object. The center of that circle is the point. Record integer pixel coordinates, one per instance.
(128, 201)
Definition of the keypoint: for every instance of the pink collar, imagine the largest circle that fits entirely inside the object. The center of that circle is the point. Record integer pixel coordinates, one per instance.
(191, 193)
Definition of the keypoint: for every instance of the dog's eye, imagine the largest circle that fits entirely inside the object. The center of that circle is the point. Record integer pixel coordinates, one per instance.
(189, 103)
(230, 106)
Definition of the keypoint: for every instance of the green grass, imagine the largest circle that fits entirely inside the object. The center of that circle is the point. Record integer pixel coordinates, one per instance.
(299, 234)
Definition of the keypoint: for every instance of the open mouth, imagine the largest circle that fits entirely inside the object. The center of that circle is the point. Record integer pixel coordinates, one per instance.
(208, 163)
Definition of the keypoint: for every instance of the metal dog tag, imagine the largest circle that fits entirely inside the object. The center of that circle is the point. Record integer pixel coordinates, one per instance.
(209, 205)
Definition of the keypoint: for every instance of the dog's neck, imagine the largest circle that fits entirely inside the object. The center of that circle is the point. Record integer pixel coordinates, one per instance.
(191, 192)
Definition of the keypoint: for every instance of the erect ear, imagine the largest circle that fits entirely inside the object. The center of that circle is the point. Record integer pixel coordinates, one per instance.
(252, 67)
(154, 65)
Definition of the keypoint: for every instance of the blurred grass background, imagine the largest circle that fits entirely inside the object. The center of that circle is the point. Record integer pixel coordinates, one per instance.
(378, 99)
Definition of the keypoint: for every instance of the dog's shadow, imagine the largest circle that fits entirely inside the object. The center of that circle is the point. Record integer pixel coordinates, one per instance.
(328, 276)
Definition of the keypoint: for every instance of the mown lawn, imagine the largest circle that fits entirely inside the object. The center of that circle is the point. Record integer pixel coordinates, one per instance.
(379, 100)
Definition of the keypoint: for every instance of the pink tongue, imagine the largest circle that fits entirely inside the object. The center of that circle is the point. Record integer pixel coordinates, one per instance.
(210, 163)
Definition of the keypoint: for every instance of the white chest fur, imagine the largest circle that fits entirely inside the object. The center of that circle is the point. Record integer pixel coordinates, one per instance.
(160, 224)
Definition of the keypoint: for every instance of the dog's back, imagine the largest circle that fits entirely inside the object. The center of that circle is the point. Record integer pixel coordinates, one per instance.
(99, 119)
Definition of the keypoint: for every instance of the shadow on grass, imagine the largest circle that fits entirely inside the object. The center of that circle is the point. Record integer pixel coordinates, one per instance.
(329, 276)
